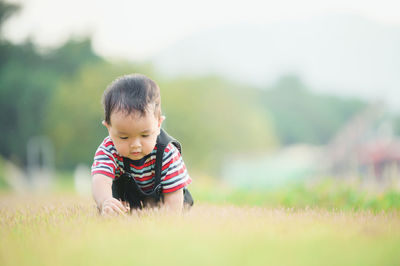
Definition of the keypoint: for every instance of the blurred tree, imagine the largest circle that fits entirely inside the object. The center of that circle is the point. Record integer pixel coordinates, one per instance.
(213, 118)
(27, 81)
(69, 58)
(302, 116)
(6, 10)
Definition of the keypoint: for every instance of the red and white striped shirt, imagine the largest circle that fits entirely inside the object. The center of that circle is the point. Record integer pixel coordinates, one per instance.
(174, 175)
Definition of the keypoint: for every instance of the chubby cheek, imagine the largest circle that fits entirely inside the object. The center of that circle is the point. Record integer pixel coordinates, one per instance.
(148, 146)
(147, 149)
(121, 148)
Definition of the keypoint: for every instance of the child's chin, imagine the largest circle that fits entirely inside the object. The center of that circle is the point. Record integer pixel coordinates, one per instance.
(135, 157)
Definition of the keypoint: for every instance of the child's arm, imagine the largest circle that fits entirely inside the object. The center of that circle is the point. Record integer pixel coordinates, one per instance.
(173, 201)
(102, 194)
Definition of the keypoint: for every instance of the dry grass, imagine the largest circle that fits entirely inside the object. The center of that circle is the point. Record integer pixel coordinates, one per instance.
(66, 230)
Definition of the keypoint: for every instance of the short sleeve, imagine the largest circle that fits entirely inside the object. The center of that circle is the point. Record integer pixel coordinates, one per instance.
(104, 162)
(174, 175)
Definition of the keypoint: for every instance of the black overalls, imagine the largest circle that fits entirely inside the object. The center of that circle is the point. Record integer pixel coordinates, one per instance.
(126, 189)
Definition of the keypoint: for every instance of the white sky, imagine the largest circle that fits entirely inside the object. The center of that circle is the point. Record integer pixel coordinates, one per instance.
(139, 29)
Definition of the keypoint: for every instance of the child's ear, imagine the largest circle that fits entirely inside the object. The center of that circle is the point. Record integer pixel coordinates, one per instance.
(160, 120)
(105, 124)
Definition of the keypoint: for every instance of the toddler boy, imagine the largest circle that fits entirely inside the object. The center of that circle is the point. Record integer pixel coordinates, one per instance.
(132, 109)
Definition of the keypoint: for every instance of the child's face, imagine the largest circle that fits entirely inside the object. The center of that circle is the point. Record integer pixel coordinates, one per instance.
(134, 136)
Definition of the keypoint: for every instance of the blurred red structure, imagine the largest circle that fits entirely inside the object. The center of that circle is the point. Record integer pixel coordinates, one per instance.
(365, 146)
(379, 154)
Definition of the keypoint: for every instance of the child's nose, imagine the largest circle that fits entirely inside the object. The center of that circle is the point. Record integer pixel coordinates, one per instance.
(135, 143)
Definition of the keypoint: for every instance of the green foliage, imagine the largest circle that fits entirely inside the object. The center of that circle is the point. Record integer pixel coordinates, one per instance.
(6, 10)
(27, 81)
(328, 194)
(25, 86)
(68, 59)
(301, 116)
(3, 183)
(212, 118)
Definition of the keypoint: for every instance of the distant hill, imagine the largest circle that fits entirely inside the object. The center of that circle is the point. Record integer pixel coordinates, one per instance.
(344, 54)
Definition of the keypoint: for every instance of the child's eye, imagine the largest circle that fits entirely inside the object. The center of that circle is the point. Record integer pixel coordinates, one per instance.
(123, 137)
(145, 136)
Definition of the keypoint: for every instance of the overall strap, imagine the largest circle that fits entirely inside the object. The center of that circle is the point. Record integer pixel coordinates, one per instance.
(158, 166)
(162, 142)
(127, 166)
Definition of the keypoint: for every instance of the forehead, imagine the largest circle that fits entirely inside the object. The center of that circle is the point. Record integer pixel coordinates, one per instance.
(132, 123)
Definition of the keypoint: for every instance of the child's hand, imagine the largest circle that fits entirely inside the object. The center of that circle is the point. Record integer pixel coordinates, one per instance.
(112, 206)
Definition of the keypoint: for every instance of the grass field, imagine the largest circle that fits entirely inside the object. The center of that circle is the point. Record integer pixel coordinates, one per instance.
(66, 230)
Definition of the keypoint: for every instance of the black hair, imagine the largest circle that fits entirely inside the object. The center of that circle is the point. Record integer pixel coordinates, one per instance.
(131, 93)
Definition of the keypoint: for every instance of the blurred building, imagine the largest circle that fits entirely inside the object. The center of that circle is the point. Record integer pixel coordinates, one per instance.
(289, 165)
(366, 146)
